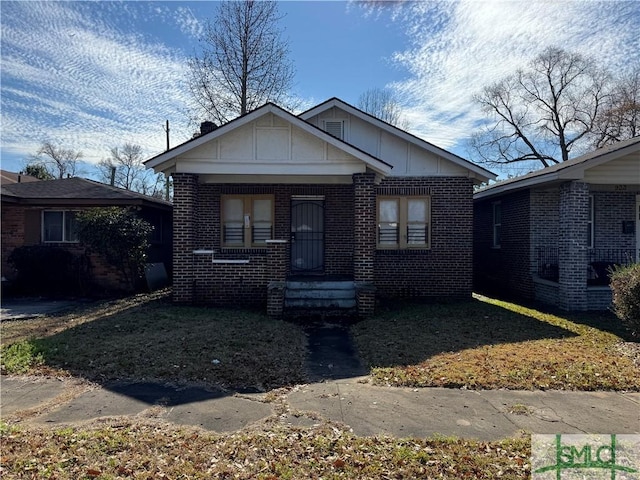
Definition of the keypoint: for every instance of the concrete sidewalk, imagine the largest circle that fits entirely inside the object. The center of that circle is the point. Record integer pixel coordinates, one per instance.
(367, 409)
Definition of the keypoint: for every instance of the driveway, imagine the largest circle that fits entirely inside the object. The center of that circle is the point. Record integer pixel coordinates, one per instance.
(24, 308)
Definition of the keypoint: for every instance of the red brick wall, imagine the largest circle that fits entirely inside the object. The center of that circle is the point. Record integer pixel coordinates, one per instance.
(444, 270)
(505, 270)
(246, 284)
(13, 236)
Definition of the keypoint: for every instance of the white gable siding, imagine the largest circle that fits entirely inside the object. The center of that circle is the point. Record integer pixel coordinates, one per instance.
(268, 146)
(623, 171)
(407, 158)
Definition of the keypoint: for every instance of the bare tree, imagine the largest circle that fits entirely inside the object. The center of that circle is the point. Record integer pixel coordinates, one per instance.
(620, 118)
(56, 161)
(544, 112)
(382, 104)
(243, 62)
(124, 169)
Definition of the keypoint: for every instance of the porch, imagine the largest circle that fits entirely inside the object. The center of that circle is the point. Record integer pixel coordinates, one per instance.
(599, 262)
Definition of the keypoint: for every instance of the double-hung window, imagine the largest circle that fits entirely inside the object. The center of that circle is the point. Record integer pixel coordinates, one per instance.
(404, 222)
(247, 220)
(59, 226)
(497, 224)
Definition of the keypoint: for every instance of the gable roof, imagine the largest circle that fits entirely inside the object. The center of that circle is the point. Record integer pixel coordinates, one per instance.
(167, 159)
(7, 177)
(482, 173)
(569, 170)
(76, 191)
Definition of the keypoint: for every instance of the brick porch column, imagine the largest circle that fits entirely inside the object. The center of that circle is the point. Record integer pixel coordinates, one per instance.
(185, 192)
(364, 241)
(277, 272)
(572, 245)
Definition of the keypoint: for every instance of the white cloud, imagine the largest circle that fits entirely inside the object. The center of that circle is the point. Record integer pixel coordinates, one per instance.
(459, 47)
(73, 75)
(188, 23)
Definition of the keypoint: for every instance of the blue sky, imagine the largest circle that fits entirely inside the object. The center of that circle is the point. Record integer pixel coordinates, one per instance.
(94, 75)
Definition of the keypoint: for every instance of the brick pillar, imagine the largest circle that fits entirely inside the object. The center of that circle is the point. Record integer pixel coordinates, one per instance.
(185, 192)
(277, 272)
(572, 245)
(364, 241)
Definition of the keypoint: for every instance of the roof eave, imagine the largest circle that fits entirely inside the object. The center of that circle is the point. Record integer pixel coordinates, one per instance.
(481, 173)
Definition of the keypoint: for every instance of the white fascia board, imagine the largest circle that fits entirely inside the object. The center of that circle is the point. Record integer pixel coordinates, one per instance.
(482, 174)
(375, 164)
(572, 172)
(196, 142)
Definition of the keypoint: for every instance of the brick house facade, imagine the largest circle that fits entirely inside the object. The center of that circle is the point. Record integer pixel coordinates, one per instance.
(24, 206)
(294, 166)
(560, 229)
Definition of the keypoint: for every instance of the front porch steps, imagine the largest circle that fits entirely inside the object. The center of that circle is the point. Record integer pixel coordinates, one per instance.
(334, 298)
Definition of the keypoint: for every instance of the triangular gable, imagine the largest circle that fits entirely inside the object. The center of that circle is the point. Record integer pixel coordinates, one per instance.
(412, 155)
(268, 141)
(615, 164)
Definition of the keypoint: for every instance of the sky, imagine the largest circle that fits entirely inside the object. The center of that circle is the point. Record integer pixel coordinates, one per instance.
(90, 76)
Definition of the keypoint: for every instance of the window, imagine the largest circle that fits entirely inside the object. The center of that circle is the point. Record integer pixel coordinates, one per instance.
(59, 226)
(403, 222)
(247, 220)
(497, 224)
(590, 222)
(335, 128)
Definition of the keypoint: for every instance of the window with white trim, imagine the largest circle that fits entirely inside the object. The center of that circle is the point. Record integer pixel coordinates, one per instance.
(247, 220)
(404, 222)
(590, 223)
(335, 128)
(59, 226)
(497, 224)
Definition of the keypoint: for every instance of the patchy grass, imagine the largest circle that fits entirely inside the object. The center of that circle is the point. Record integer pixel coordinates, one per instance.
(147, 338)
(486, 344)
(120, 449)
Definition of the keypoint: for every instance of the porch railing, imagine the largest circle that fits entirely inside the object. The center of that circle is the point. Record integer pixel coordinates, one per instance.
(599, 262)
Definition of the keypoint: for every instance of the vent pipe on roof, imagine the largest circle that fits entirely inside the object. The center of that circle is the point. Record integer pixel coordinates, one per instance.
(206, 127)
(113, 176)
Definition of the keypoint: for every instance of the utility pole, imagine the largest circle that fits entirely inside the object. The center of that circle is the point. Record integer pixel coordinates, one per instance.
(167, 130)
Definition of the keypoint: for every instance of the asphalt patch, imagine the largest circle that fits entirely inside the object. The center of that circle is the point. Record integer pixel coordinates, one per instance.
(331, 353)
(158, 394)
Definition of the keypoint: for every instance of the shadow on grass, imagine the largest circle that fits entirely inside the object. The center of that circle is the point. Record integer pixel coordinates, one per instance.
(148, 350)
(409, 334)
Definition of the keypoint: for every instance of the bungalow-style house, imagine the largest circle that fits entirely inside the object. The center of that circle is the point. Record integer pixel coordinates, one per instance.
(330, 208)
(43, 213)
(553, 234)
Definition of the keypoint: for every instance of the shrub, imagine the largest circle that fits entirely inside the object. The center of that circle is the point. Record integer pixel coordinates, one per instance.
(625, 286)
(18, 358)
(48, 270)
(119, 235)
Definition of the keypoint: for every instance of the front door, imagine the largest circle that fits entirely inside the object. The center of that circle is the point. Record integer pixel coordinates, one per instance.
(307, 235)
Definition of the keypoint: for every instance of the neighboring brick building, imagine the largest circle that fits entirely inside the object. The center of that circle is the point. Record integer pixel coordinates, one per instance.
(42, 213)
(551, 235)
(271, 202)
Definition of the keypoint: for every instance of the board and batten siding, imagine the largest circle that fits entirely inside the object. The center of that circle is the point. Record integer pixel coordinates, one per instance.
(407, 158)
(622, 171)
(269, 146)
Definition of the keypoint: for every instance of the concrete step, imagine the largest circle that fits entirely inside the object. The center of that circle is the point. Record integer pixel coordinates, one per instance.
(320, 293)
(320, 285)
(320, 303)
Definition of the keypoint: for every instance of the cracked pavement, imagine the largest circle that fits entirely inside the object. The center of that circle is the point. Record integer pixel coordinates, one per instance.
(366, 409)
